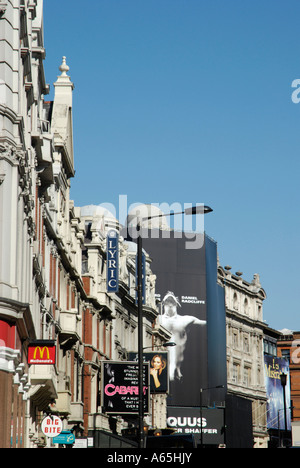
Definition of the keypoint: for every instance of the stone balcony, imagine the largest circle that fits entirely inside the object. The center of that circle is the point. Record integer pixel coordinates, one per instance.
(70, 323)
(43, 380)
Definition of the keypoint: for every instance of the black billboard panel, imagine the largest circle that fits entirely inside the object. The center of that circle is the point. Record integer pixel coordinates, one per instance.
(187, 421)
(120, 387)
(181, 291)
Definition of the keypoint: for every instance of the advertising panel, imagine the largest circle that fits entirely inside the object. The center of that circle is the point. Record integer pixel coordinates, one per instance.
(51, 426)
(120, 387)
(181, 292)
(187, 421)
(41, 352)
(159, 379)
(274, 367)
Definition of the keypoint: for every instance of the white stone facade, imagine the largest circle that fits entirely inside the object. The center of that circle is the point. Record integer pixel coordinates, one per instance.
(245, 353)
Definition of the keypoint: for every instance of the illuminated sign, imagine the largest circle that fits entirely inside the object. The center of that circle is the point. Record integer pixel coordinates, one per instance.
(42, 352)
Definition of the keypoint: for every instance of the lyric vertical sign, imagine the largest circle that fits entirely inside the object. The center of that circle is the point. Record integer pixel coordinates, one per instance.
(112, 276)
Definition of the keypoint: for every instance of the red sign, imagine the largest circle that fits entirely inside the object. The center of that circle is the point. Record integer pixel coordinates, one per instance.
(42, 352)
(51, 426)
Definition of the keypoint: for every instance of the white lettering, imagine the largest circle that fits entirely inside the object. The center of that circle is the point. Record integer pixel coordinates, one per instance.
(295, 97)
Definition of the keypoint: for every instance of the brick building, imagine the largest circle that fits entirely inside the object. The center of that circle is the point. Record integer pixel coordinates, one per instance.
(288, 347)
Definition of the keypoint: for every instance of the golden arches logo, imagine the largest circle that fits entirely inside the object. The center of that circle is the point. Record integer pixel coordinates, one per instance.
(41, 350)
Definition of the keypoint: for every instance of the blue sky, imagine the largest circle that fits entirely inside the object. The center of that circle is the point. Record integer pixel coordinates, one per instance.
(189, 101)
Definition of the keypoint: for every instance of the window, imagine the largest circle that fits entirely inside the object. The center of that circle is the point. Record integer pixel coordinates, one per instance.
(285, 353)
(270, 348)
(247, 376)
(235, 301)
(246, 344)
(235, 373)
(235, 340)
(246, 307)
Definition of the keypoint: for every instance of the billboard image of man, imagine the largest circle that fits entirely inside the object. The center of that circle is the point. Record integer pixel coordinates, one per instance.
(179, 326)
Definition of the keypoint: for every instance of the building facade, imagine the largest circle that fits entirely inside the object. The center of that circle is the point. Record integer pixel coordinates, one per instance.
(288, 348)
(53, 256)
(53, 264)
(245, 334)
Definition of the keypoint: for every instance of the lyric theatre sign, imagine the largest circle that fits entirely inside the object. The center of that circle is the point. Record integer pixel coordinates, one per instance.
(112, 273)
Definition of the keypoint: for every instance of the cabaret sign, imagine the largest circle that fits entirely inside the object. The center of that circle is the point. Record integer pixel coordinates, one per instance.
(120, 387)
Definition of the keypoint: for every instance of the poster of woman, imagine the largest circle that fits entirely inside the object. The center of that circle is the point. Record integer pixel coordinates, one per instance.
(159, 378)
(158, 374)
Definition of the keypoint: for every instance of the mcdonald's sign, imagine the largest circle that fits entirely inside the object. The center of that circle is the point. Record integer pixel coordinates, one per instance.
(42, 352)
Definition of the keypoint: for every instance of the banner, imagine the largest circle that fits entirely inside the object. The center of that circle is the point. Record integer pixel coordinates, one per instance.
(181, 292)
(274, 367)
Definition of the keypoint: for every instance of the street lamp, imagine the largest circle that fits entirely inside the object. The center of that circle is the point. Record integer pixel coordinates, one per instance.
(201, 411)
(201, 209)
(168, 344)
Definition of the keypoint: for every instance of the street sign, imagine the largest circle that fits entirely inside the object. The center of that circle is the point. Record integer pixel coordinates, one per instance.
(64, 438)
(51, 426)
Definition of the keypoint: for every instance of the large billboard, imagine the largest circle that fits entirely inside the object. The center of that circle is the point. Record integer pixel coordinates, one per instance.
(183, 287)
(274, 367)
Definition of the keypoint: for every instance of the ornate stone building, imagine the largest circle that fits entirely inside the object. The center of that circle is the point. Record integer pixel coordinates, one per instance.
(52, 260)
(245, 333)
(41, 290)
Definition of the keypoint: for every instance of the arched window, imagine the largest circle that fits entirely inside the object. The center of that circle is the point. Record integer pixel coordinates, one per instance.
(246, 307)
(235, 301)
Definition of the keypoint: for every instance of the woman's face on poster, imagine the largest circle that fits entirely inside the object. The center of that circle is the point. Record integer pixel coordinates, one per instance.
(157, 363)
